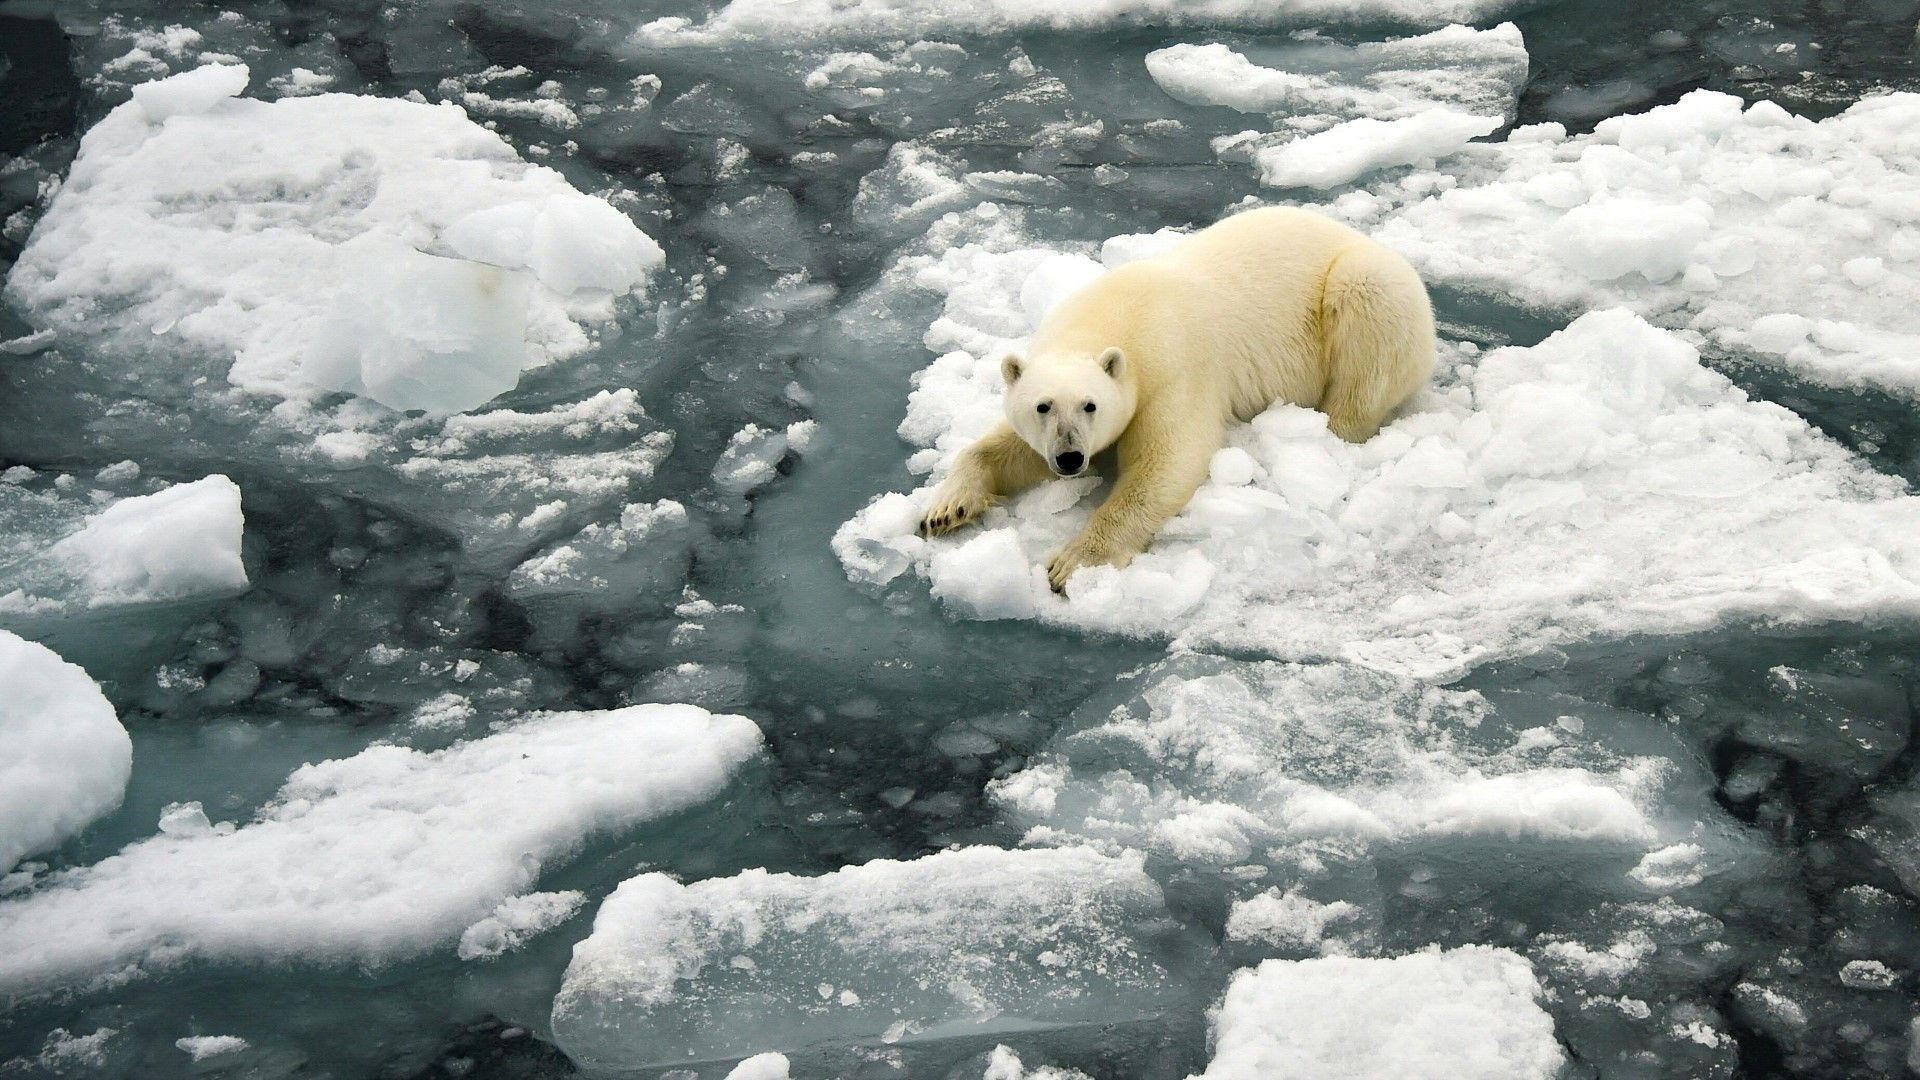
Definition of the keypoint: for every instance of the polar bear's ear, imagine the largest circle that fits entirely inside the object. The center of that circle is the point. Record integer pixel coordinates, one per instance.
(1113, 361)
(1010, 365)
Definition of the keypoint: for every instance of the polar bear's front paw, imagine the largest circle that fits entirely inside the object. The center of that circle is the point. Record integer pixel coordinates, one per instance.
(1083, 551)
(954, 505)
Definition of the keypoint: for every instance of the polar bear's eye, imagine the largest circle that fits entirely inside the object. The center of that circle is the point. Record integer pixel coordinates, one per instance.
(1043, 408)
(1088, 407)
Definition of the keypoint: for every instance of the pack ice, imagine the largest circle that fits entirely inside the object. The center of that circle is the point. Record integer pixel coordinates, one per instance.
(67, 757)
(1508, 509)
(962, 943)
(1791, 241)
(374, 857)
(245, 263)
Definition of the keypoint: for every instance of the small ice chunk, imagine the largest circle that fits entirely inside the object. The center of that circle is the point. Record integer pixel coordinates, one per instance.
(67, 758)
(190, 92)
(1471, 1013)
(517, 919)
(570, 242)
(948, 945)
(768, 1066)
(180, 542)
(1347, 151)
(1004, 1064)
(202, 1047)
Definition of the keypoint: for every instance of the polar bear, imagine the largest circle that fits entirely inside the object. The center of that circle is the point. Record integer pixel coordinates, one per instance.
(1156, 357)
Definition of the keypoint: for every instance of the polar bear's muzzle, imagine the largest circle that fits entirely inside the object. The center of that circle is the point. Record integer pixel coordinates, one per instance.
(1069, 463)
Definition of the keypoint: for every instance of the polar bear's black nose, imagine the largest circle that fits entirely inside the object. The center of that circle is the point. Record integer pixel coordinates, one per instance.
(1070, 462)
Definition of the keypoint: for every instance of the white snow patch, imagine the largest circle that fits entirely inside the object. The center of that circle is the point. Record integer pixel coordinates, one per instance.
(1347, 151)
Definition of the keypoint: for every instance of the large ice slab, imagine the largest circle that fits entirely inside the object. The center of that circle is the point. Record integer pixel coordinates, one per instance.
(786, 20)
(1458, 67)
(1509, 508)
(264, 231)
(1220, 762)
(1792, 241)
(1471, 1012)
(370, 858)
(965, 942)
(66, 758)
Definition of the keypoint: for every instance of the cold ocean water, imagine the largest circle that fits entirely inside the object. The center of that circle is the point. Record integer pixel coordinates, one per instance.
(460, 613)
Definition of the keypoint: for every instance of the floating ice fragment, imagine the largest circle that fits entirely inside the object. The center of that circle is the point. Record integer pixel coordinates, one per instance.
(190, 92)
(202, 1047)
(1349, 150)
(1470, 1012)
(1755, 228)
(517, 919)
(761, 1067)
(66, 759)
(1457, 67)
(376, 856)
(948, 945)
(179, 542)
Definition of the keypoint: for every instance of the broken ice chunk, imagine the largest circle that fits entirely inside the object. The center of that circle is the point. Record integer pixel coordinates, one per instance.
(1470, 1013)
(570, 242)
(179, 542)
(960, 943)
(66, 759)
(1349, 150)
(373, 857)
(517, 919)
(193, 91)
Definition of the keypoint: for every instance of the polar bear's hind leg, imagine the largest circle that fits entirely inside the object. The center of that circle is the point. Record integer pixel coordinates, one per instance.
(1377, 328)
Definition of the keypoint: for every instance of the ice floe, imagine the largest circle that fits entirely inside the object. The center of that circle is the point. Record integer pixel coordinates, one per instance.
(1470, 1012)
(67, 759)
(381, 855)
(1774, 236)
(1508, 509)
(962, 942)
(1457, 67)
(334, 242)
(1221, 763)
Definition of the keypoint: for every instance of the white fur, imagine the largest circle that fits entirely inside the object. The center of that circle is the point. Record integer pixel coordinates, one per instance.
(1271, 305)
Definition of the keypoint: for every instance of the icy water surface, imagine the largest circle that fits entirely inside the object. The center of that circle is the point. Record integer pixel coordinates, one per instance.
(587, 703)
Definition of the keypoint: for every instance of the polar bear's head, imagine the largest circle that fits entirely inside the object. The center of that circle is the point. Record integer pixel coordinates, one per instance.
(1068, 406)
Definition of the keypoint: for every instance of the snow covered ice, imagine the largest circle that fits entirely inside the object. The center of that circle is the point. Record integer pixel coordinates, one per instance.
(1469, 1013)
(67, 757)
(1509, 510)
(374, 857)
(461, 613)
